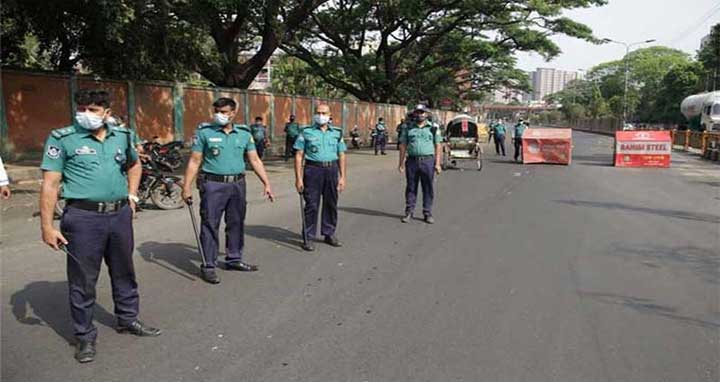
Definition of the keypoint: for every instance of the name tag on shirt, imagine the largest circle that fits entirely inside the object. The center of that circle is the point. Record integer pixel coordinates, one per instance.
(85, 151)
(215, 139)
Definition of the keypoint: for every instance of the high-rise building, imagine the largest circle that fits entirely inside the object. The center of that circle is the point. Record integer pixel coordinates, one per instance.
(547, 81)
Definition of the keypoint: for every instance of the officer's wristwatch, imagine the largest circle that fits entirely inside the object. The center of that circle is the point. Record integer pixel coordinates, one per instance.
(133, 198)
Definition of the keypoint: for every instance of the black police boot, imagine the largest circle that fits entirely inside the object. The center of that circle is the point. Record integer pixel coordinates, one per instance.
(333, 241)
(85, 351)
(407, 218)
(137, 328)
(309, 246)
(209, 275)
(240, 266)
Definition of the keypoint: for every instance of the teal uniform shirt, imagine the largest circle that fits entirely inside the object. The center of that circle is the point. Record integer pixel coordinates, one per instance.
(320, 146)
(91, 170)
(380, 128)
(499, 129)
(519, 130)
(223, 154)
(419, 139)
(258, 131)
(292, 129)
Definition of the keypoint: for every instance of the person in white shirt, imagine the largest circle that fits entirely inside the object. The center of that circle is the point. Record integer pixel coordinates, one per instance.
(4, 182)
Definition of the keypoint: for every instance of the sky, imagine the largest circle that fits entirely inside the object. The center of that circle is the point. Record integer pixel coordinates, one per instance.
(679, 24)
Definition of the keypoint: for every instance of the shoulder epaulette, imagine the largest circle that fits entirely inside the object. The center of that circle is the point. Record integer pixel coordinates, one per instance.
(241, 127)
(121, 129)
(204, 125)
(63, 132)
(338, 128)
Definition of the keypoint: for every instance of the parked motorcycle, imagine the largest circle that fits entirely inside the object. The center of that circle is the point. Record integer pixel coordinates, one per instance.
(162, 189)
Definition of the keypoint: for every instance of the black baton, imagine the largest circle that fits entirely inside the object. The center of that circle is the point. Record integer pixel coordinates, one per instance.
(195, 229)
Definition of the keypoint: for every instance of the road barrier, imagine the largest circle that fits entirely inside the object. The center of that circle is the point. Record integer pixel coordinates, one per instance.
(705, 143)
(643, 148)
(547, 146)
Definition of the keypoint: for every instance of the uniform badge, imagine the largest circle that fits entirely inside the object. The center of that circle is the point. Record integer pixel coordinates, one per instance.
(195, 140)
(53, 152)
(120, 156)
(314, 149)
(215, 151)
(85, 151)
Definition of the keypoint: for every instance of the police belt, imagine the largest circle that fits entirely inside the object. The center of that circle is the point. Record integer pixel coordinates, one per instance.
(421, 157)
(222, 178)
(102, 207)
(313, 163)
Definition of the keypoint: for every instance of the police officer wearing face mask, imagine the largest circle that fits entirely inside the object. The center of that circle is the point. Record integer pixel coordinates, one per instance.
(421, 141)
(100, 172)
(217, 153)
(380, 134)
(323, 149)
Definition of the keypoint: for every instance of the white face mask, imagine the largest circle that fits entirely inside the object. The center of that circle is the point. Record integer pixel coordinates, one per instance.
(89, 121)
(322, 119)
(221, 119)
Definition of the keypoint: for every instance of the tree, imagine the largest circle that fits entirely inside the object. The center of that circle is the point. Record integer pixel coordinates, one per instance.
(293, 76)
(709, 56)
(680, 82)
(381, 50)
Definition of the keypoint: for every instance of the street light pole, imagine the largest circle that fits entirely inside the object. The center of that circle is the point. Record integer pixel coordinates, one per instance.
(627, 70)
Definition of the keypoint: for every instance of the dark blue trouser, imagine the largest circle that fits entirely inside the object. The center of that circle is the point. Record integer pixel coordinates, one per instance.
(94, 237)
(423, 172)
(289, 150)
(518, 148)
(217, 198)
(320, 182)
(260, 148)
(500, 144)
(380, 141)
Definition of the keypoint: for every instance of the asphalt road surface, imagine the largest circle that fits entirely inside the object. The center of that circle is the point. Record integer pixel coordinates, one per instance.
(532, 273)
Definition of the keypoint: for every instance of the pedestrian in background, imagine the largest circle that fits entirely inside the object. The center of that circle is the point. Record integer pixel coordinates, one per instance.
(218, 151)
(518, 132)
(499, 130)
(322, 149)
(259, 134)
(100, 173)
(4, 182)
(292, 131)
(380, 133)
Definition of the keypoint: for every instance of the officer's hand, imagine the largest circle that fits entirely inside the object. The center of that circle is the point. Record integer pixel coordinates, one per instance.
(5, 192)
(401, 169)
(438, 169)
(267, 192)
(187, 195)
(299, 186)
(53, 237)
(341, 185)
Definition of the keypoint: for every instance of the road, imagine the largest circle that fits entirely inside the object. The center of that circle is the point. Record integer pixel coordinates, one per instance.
(532, 273)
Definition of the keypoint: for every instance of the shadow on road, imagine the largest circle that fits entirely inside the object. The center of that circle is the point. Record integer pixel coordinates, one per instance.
(649, 306)
(678, 214)
(276, 235)
(182, 259)
(703, 262)
(45, 303)
(365, 211)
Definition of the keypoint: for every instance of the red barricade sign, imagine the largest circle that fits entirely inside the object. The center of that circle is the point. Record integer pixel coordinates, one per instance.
(547, 146)
(642, 148)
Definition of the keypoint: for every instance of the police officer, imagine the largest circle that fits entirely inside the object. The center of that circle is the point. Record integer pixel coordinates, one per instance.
(259, 134)
(323, 148)
(518, 132)
(380, 134)
(217, 153)
(499, 130)
(292, 130)
(399, 130)
(99, 171)
(421, 141)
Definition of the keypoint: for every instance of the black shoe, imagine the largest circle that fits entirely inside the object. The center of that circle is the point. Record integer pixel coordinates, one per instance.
(139, 329)
(240, 266)
(85, 351)
(429, 219)
(209, 275)
(407, 218)
(333, 241)
(309, 246)
(383, 154)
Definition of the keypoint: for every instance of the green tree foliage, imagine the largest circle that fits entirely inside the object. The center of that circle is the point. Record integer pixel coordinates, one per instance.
(293, 76)
(403, 50)
(709, 56)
